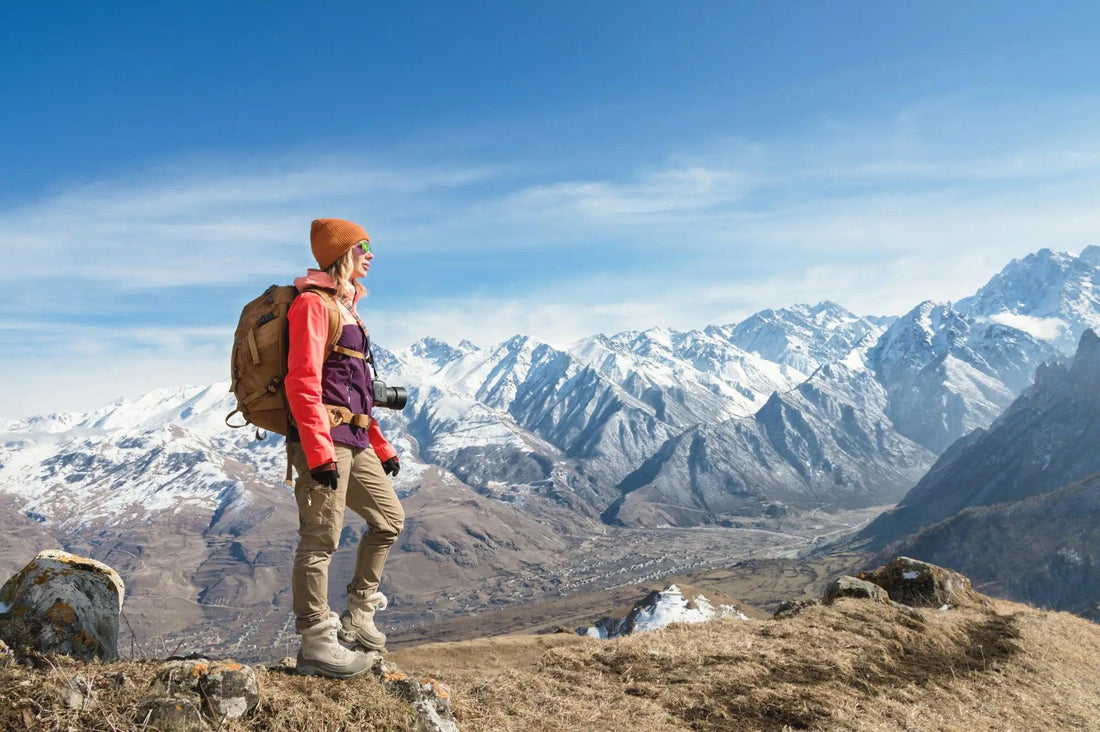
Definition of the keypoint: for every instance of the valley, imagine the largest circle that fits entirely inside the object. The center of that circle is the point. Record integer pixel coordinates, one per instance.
(606, 569)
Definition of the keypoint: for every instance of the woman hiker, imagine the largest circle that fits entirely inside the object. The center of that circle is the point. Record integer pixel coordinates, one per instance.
(339, 454)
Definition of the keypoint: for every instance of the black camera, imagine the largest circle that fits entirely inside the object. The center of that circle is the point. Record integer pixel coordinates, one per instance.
(390, 397)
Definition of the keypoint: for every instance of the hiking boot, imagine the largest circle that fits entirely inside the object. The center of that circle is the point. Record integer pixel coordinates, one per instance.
(322, 654)
(357, 623)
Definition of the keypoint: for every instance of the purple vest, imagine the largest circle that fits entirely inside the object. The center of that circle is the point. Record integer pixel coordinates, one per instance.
(346, 382)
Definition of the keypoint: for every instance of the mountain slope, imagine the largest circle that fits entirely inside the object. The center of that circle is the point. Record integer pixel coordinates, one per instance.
(1046, 439)
(946, 374)
(1054, 560)
(825, 443)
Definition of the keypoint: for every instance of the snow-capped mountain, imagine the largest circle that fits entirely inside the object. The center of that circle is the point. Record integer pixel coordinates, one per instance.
(795, 408)
(688, 377)
(826, 443)
(801, 336)
(946, 373)
(1046, 439)
(1054, 296)
(786, 399)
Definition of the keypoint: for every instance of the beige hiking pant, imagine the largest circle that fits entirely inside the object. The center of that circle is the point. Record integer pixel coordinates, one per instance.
(364, 488)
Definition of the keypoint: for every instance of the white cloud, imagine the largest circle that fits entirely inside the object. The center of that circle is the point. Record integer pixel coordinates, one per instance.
(199, 226)
(1047, 329)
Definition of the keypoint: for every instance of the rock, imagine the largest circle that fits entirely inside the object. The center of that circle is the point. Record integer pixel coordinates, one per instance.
(845, 586)
(790, 608)
(288, 664)
(69, 604)
(77, 694)
(431, 700)
(920, 584)
(170, 715)
(222, 690)
(230, 690)
(6, 655)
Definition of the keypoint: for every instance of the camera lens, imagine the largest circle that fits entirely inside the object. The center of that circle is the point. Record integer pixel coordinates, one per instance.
(390, 397)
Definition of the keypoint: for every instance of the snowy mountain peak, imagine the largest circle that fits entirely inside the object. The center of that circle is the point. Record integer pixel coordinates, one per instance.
(801, 336)
(1051, 295)
(435, 351)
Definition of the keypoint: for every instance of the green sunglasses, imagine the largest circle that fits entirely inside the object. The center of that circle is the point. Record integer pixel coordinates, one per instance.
(364, 245)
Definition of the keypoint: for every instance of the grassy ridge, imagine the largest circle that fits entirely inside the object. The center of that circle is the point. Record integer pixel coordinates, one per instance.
(854, 666)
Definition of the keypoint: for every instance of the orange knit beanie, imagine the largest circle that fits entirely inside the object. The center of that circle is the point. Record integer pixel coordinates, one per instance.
(330, 239)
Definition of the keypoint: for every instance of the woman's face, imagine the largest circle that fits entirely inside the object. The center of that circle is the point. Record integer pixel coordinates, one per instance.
(360, 260)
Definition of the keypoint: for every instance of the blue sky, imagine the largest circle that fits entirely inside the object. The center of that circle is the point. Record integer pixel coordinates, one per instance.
(553, 169)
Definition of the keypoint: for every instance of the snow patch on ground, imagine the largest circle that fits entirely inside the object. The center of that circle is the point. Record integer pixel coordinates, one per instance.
(657, 611)
(673, 607)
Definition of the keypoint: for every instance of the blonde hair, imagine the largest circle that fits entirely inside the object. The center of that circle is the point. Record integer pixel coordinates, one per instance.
(340, 272)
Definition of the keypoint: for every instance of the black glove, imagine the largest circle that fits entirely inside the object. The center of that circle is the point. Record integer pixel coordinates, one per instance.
(392, 466)
(326, 475)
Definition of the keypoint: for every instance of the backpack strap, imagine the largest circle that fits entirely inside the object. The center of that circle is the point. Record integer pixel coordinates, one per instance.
(335, 320)
(336, 325)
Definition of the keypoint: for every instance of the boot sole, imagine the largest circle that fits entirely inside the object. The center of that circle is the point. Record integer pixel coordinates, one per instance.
(352, 637)
(307, 670)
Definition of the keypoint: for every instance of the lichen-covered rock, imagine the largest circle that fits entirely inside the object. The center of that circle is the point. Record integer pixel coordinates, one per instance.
(790, 608)
(6, 656)
(920, 584)
(169, 715)
(69, 604)
(430, 700)
(223, 690)
(845, 586)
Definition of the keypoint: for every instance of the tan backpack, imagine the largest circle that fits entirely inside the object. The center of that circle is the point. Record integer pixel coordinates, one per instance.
(259, 362)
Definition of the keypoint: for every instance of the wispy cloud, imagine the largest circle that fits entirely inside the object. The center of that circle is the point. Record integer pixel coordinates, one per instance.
(183, 226)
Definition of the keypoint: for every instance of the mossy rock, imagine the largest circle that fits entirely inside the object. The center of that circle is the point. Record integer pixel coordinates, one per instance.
(64, 604)
(920, 584)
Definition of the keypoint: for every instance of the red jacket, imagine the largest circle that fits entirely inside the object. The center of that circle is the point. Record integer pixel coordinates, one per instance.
(308, 326)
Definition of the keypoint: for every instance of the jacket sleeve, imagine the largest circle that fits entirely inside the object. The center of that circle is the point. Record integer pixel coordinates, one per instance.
(382, 449)
(307, 322)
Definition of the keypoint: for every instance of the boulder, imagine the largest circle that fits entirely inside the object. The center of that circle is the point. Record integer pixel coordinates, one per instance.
(845, 586)
(222, 690)
(169, 715)
(68, 604)
(430, 700)
(920, 584)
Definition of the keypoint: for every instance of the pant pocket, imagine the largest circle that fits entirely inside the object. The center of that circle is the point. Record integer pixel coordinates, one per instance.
(316, 506)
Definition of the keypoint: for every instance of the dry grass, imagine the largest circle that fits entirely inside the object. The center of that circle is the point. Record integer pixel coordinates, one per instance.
(32, 699)
(853, 666)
